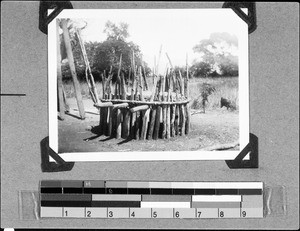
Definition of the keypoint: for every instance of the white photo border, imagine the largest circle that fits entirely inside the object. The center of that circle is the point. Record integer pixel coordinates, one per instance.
(149, 155)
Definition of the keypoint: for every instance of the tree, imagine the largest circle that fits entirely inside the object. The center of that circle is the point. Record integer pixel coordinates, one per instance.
(115, 32)
(217, 55)
(107, 54)
(202, 69)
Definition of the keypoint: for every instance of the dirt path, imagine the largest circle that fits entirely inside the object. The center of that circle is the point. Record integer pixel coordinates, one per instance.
(76, 135)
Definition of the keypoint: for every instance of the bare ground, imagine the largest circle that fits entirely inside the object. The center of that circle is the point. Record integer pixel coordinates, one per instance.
(75, 135)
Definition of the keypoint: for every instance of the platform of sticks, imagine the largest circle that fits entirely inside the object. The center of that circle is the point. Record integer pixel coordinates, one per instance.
(131, 110)
(128, 108)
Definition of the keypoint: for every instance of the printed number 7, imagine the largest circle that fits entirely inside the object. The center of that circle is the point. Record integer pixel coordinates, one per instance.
(198, 214)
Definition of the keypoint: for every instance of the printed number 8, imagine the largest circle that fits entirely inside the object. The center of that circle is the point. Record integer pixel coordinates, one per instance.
(221, 214)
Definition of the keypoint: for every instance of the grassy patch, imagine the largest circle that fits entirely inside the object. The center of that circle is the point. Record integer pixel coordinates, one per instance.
(226, 87)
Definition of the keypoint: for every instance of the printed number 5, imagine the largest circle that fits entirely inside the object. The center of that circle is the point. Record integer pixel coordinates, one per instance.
(154, 214)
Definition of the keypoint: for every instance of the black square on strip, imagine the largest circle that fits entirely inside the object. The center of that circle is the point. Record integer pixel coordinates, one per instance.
(161, 191)
(116, 191)
(94, 190)
(66, 203)
(204, 191)
(183, 191)
(72, 190)
(250, 191)
(51, 190)
(138, 190)
(226, 191)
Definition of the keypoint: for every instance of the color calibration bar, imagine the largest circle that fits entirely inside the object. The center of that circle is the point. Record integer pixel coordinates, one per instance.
(122, 199)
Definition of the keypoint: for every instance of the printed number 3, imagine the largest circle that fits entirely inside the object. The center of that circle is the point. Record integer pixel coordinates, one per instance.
(110, 214)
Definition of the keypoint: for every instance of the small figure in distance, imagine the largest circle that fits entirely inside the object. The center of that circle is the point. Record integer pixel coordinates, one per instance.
(228, 104)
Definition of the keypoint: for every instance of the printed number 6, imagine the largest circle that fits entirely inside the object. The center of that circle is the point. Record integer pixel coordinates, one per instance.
(177, 214)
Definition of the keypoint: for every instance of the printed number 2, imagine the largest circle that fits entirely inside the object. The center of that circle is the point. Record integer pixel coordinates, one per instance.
(88, 213)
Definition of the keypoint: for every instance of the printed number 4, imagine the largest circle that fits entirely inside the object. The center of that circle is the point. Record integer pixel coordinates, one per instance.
(132, 214)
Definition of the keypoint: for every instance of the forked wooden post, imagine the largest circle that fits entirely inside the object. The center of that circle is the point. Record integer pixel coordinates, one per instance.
(72, 68)
(59, 76)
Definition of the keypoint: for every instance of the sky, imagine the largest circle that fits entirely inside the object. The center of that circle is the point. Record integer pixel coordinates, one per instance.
(176, 30)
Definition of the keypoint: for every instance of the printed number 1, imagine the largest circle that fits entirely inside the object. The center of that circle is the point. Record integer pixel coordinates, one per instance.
(66, 213)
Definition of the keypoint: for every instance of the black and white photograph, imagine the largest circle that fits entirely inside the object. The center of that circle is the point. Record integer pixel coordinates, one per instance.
(148, 84)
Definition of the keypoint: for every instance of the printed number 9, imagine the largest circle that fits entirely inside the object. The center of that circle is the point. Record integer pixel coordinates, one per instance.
(244, 213)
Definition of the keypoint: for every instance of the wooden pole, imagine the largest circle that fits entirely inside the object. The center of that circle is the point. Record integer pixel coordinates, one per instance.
(168, 122)
(141, 84)
(158, 112)
(164, 109)
(59, 76)
(67, 107)
(145, 79)
(92, 85)
(145, 124)
(118, 125)
(73, 69)
(177, 119)
(188, 107)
